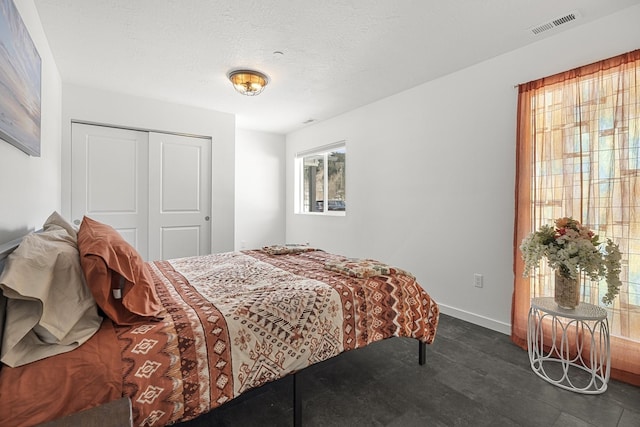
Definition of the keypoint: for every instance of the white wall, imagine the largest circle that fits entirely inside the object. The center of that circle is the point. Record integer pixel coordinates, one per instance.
(30, 186)
(260, 189)
(110, 108)
(431, 172)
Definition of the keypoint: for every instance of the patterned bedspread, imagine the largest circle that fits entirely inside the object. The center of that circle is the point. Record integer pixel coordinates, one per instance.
(237, 320)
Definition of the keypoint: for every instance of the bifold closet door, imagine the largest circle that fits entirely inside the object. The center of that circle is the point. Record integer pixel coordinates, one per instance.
(110, 180)
(179, 196)
(154, 188)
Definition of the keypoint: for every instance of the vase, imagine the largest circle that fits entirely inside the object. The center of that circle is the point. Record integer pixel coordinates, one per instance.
(567, 292)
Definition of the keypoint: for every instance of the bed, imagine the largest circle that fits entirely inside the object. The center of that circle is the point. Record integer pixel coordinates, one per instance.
(181, 337)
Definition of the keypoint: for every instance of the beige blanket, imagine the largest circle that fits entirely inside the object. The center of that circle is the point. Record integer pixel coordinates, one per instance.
(49, 310)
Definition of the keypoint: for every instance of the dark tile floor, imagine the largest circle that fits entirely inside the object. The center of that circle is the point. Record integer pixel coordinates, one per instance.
(473, 377)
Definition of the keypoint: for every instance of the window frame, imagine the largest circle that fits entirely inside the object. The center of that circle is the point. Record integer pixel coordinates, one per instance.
(324, 151)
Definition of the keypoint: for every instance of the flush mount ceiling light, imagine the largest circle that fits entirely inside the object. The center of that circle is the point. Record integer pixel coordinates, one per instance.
(248, 82)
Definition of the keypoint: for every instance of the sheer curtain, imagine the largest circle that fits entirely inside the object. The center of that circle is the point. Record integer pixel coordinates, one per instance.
(578, 155)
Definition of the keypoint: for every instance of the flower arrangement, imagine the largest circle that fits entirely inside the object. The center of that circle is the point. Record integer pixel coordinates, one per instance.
(571, 248)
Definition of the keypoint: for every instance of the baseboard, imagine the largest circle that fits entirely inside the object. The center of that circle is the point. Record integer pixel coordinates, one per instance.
(476, 319)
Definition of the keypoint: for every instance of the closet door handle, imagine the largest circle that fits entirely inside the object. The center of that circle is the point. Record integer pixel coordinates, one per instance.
(206, 218)
(76, 221)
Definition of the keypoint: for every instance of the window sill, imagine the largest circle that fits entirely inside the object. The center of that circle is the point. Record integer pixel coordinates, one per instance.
(330, 213)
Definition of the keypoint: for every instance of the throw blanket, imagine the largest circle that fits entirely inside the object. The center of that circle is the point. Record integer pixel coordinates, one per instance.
(363, 268)
(286, 249)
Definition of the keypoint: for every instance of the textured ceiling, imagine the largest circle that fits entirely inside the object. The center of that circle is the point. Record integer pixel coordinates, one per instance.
(336, 54)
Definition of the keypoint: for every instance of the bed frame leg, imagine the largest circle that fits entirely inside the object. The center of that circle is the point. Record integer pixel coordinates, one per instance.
(297, 402)
(422, 353)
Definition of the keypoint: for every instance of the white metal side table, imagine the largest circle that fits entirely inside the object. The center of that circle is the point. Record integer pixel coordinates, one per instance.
(570, 348)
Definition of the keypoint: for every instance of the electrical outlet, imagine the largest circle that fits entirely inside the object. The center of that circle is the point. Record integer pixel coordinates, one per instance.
(477, 280)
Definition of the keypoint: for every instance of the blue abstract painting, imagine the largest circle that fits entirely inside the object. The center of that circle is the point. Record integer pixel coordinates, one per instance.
(20, 82)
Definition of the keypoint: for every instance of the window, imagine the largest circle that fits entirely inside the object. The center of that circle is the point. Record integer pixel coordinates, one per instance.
(577, 155)
(321, 180)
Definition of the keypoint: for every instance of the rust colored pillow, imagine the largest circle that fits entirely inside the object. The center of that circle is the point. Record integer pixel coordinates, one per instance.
(109, 263)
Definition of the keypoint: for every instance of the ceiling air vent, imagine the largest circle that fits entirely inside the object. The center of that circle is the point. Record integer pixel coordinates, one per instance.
(555, 22)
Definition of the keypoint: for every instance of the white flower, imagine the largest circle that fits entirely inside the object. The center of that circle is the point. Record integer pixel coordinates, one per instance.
(571, 249)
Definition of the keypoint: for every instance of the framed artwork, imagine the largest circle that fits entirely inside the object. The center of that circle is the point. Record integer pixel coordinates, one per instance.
(20, 82)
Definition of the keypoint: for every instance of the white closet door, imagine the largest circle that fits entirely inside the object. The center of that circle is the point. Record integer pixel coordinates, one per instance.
(109, 180)
(179, 196)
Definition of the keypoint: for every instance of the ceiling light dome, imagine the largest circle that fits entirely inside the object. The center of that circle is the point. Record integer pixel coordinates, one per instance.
(248, 82)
